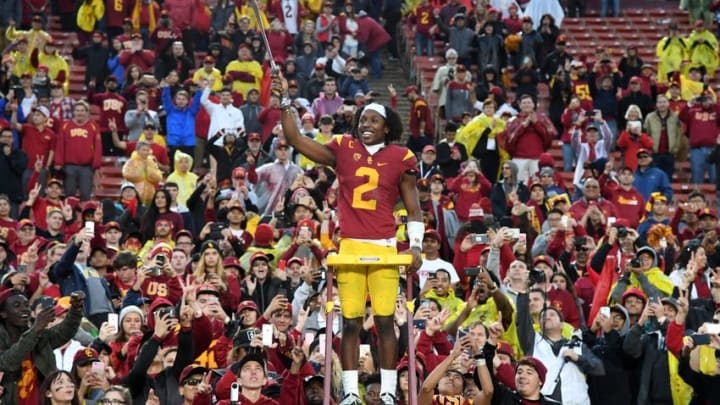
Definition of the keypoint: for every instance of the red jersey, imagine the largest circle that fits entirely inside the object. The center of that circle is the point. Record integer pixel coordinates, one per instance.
(369, 186)
(79, 145)
(37, 144)
(163, 37)
(40, 209)
(450, 400)
(8, 225)
(112, 106)
(420, 113)
(424, 19)
(117, 11)
(162, 286)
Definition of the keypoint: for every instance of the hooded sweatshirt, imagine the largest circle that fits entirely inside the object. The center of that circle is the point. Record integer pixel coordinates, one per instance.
(186, 181)
(614, 386)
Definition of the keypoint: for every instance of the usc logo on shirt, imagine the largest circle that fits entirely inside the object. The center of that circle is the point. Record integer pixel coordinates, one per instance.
(111, 104)
(78, 133)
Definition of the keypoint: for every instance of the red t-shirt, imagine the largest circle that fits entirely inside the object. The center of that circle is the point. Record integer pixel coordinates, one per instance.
(369, 186)
(36, 143)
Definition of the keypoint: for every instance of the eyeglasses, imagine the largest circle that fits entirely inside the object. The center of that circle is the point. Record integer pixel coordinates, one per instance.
(591, 186)
(192, 382)
(112, 402)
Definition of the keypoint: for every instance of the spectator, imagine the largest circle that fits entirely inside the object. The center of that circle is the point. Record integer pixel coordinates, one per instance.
(534, 132)
(181, 119)
(329, 101)
(451, 153)
(460, 36)
(703, 47)
(702, 120)
(594, 148)
(80, 133)
(664, 127)
(136, 55)
(531, 44)
(631, 141)
(422, 128)
(142, 170)
(470, 187)
(460, 95)
(372, 38)
(443, 75)
(634, 97)
(629, 203)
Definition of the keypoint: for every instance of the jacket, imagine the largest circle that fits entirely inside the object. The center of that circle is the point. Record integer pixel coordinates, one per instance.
(180, 122)
(650, 180)
(654, 126)
(650, 347)
(40, 346)
(70, 278)
(11, 171)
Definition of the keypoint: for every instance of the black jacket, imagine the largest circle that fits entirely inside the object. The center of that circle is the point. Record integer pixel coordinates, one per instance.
(166, 382)
(649, 347)
(96, 57)
(12, 167)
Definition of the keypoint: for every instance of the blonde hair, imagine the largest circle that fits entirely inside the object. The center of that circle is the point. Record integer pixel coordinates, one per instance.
(633, 107)
(201, 270)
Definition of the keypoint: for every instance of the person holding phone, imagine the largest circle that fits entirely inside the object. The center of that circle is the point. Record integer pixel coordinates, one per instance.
(156, 278)
(26, 346)
(372, 174)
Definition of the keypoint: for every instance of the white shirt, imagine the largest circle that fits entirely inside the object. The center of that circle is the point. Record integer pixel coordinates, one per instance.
(221, 117)
(431, 266)
(64, 359)
(290, 15)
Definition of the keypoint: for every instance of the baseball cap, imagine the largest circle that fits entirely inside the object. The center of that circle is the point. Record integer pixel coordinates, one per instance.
(85, 356)
(191, 370)
(429, 148)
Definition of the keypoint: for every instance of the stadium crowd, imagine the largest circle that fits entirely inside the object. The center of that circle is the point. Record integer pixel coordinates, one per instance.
(207, 275)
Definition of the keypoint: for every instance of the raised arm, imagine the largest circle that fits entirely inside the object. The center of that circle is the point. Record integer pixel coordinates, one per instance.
(314, 151)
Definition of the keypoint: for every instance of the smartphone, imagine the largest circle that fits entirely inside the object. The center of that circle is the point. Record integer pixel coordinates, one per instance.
(364, 350)
(234, 392)
(514, 233)
(700, 340)
(90, 226)
(611, 221)
(419, 323)
(425, 304)
(267, 335)
(98, 367)
(522, 237)
(282, 292)
(472, 271)
(281, 265)
(114, 320)
(605, 311)
(432, 275)
(161, 259)
(21, 268)
(564, 221)
(654, 300)
(461, 333)
(480, 239)
(47, 302)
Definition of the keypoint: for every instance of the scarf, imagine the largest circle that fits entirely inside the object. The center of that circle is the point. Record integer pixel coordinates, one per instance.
(151, 15)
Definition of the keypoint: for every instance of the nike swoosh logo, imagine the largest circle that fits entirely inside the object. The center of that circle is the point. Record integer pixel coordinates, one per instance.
(382, 164)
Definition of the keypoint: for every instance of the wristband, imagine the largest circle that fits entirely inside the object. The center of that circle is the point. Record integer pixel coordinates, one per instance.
(480, 362)
(416, 231)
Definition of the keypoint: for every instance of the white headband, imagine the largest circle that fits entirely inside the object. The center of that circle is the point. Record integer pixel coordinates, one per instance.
(378, 108)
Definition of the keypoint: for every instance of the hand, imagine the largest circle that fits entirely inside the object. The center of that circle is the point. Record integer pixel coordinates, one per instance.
(107, 332)
(34, 193)
(683, 304)
(152, 399)
(297, 355)
(38, 166)
(112, 125)
(77, 300)
(391, 90)
(204, 387)
(43, 319)
(496, 330)
(163, 326)
(417, 259)
(278, 84)
(570, 354)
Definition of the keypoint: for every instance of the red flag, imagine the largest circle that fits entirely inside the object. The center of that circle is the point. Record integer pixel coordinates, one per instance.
(602, 291)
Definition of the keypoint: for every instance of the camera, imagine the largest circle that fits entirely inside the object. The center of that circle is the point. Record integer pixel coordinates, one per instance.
(635, 263)
(536, 276)
(622, 232)
(480, 239)
(701, 99)
(451, 74)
